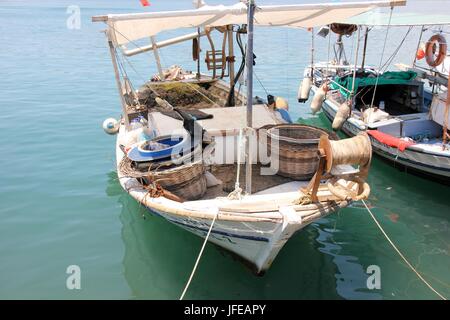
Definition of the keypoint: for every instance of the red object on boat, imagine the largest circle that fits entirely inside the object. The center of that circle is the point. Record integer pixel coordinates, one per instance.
(420, 54)
(389, 140)
(145, 3)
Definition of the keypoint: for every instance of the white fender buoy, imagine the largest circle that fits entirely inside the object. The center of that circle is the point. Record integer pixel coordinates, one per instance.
(111, 126)
(303, 90)
(281, 103)
(316, 103)
(341, 116)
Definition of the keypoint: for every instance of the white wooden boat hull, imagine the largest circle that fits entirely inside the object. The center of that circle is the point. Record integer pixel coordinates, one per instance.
(257, 243)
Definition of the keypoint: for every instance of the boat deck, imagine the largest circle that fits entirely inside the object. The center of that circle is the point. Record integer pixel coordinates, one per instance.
(227, 175)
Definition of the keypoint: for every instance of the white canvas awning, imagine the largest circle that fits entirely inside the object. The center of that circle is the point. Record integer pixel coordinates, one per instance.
(125, 28)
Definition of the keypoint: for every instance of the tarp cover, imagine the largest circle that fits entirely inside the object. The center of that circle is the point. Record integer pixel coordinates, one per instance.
(391, 141)
(129, 27)
(390, 77)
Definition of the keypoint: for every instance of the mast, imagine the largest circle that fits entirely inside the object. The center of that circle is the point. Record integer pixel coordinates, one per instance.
(249, 64)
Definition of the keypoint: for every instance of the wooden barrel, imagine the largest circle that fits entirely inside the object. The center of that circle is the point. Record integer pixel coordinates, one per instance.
(297, 149)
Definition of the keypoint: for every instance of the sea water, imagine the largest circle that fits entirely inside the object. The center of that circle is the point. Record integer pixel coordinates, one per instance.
(63, 211)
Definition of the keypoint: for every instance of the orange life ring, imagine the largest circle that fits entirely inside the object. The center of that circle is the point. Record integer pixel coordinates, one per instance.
(431, 48)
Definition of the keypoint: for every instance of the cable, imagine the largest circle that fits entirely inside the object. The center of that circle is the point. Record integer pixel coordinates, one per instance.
(401, 255)
(381, 58)
(198, 258)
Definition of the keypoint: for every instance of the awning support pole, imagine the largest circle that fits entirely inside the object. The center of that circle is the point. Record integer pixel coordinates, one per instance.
(249, 63)
(231, 52)
(158, 61)
(118, 82)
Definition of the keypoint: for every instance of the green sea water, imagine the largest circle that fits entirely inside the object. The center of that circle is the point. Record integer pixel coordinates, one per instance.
(61, 203)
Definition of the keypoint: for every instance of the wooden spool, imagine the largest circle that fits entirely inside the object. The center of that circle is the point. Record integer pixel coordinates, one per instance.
(352, 151)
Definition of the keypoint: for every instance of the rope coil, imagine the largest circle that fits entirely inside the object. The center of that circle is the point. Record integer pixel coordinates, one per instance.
(353, 151)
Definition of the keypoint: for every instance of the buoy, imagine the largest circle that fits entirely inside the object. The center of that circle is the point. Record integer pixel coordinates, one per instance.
(421, 52)
(281, 103)
(111, 126)
(303, 90)
(436, 50)
(341, 115)
(316, 103)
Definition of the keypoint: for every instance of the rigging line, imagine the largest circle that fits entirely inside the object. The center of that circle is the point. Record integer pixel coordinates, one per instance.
(422, 29)
(199, 256)
(128, 39)
(353, 43)
(140, 75)
(396, 51)
(287, 73)
(381, 57)
(131, 65)
(329, 49)
(401, 255)
(128, 61)
(145, 80)
(124, 74)
(356, 64)
(259, 81)
(124, 71)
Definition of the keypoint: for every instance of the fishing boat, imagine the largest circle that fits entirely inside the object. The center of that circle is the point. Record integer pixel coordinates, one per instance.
(239, 174)
(404, 110)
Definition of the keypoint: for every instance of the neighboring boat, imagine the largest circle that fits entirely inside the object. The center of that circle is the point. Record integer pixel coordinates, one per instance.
(407, 122)
(199, 186)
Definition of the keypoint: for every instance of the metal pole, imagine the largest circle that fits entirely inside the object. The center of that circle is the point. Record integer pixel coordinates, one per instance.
(231, 53)
(118, 82)
(198, 52)
(162, 44)
(312, 52)
(158, 62)
(445, 135)
(249, 65)
(356, 63)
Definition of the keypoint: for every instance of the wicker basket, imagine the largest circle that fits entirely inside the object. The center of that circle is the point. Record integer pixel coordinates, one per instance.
(192, 189)
(297, 152)
(176, 175)
(186, 181)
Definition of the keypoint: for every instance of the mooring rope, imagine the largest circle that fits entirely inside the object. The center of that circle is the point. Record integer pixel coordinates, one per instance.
(401, 255)
(199, 257)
